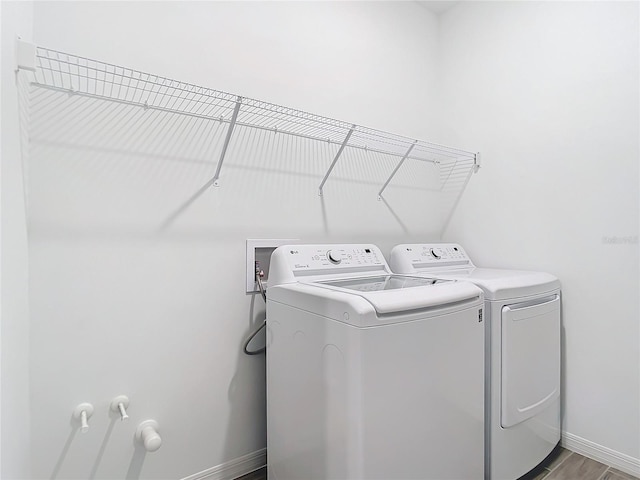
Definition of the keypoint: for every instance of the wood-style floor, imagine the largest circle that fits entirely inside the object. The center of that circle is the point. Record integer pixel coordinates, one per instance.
(260, 474)
(562, 464)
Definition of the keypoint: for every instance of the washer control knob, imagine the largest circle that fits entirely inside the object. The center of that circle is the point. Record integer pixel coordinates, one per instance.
(334, 257)
(436, 252)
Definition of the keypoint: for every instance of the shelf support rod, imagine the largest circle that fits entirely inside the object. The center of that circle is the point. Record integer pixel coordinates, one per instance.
(396, 169)
(333, 164)
(215, 180)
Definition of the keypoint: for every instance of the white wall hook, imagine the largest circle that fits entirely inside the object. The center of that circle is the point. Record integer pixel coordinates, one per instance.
(119, 405)
(82, 413)
(147, 433)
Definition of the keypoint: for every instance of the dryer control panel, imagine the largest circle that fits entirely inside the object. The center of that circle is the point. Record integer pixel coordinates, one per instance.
(410, 258)
(290, 263)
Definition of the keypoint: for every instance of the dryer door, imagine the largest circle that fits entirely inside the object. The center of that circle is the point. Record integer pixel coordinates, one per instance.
(530, 358)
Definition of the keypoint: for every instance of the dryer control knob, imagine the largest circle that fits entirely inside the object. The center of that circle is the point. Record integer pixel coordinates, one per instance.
(436, 252)
(333, 257)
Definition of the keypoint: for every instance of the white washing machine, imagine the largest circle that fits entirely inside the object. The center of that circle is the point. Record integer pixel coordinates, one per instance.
(371, 375)
(522, 361)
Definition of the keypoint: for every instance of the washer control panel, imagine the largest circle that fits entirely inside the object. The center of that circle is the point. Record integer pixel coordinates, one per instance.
(308, 257)
(292, 263)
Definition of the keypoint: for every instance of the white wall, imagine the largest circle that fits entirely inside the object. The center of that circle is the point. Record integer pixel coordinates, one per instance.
(118, 306)
(548, 92)
(17, 19)
(367, 64)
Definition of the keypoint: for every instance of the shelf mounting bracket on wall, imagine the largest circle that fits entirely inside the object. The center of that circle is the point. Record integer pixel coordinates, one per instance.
(396, 169)
(25, 55)
(476, 162)
(215, 180)
(333, 164)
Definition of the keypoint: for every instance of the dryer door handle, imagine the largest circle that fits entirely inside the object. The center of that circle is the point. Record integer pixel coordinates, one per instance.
(540, 303)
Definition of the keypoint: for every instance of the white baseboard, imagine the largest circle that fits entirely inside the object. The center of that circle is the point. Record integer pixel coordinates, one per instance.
(258, 459)
(602, 454)
(234, 468)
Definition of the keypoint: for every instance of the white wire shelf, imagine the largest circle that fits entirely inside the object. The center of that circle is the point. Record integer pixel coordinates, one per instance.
(83, 77)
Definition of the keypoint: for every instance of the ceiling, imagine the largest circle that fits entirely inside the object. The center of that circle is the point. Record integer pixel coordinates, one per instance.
(437, 6)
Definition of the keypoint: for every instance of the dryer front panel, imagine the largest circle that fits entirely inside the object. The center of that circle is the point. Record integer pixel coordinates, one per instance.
(530, 364)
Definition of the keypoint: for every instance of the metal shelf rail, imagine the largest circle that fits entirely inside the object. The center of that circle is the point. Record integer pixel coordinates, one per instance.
(75, 75)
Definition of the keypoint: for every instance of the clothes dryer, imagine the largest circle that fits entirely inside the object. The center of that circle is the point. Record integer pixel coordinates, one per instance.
(371, 375)
(522, 416)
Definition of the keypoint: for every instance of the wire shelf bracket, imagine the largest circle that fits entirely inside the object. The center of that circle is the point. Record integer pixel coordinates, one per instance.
(25, 56)
(234, 118)
(395, 170)
(333, 164)
(476, 162)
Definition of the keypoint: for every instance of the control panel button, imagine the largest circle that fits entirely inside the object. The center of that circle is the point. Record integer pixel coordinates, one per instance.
(436, 252)
(334, 257)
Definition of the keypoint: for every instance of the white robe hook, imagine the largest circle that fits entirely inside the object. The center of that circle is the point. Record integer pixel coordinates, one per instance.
(119, 405)
(147, 434)
(82, 413)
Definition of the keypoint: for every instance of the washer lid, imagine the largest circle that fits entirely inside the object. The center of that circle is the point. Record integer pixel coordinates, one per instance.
(499, 284)
(382, 282)
(389, 294)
